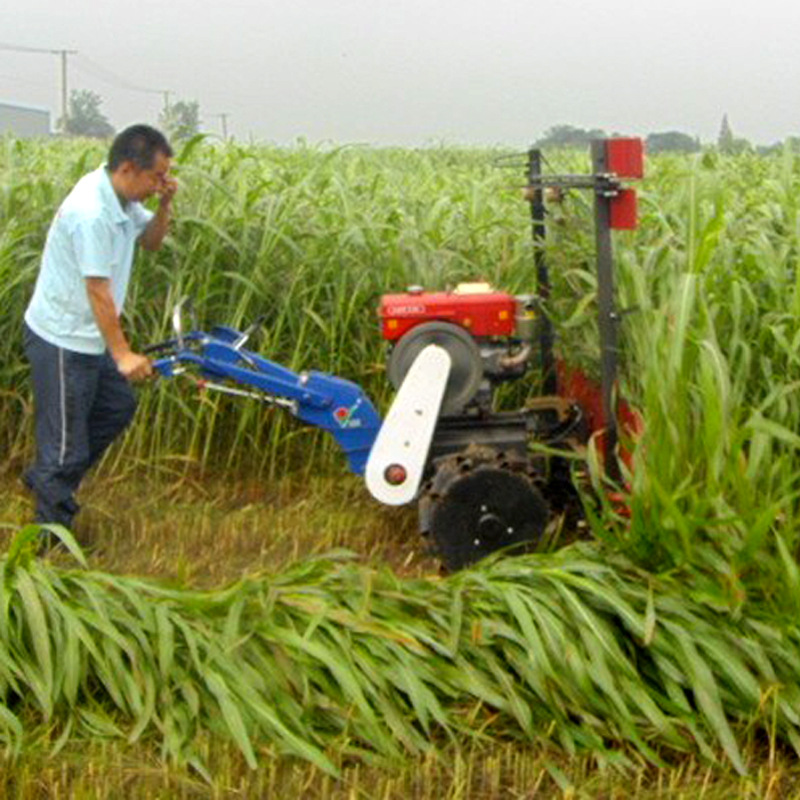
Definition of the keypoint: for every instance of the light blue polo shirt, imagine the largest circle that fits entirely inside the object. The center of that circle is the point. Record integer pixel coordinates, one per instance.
(91, 236)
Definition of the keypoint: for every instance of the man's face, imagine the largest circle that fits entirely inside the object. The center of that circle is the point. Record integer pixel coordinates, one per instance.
(144, 183)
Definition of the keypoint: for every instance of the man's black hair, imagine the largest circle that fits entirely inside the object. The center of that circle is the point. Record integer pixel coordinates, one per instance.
(138, 144)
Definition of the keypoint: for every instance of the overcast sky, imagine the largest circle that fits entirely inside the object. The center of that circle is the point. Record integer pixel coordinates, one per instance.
(413, 72)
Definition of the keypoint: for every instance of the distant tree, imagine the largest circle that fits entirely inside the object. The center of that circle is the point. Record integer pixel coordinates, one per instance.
(181, 120)
(725, 140)
(728, 143)
(568, 136)
(84, 117)
(672, 142)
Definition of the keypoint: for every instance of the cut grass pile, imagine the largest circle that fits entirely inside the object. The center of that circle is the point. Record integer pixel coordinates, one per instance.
(578, 648)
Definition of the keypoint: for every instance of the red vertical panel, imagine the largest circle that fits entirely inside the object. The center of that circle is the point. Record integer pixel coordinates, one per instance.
(623, 211)
(625, 157)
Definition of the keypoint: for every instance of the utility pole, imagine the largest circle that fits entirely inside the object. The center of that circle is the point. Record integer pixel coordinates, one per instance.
(63, 55)
(224, 119)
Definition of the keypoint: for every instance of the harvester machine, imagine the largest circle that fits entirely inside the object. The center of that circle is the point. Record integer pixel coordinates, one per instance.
(478, 481)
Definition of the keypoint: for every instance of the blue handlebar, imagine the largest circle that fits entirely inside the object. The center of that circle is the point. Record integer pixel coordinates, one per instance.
(325, 401)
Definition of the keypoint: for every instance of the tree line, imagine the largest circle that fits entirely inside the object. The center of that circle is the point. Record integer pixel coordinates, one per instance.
(665, 141)
(179, 120)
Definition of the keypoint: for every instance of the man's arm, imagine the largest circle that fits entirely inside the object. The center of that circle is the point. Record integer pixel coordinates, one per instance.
(153, 235)
(133, 366)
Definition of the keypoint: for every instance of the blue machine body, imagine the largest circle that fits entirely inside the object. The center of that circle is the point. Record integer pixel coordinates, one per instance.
(325, 401)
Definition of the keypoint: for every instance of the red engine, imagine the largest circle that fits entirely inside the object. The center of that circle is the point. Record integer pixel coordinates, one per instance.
(486, 333)
(473, 306)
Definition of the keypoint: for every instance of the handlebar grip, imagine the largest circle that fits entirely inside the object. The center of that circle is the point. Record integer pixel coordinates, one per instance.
(164, 367)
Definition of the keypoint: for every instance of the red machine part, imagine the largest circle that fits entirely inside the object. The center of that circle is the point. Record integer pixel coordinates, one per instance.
(625, 157)
(623, 211)
(482, 314)
(575, 385)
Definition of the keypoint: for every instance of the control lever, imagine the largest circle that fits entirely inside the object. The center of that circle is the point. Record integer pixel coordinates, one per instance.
(248, 332)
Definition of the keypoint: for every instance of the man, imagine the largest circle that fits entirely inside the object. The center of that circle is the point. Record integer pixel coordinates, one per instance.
(81, 362)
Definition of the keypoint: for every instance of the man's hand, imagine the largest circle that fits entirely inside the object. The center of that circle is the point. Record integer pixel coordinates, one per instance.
(134, 366)
(153, 235)
(167, 190)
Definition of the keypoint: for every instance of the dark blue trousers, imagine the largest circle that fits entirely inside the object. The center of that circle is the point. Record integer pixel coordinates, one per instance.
(81, 404)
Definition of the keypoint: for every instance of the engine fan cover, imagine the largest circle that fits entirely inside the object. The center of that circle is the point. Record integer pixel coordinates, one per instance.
(466, 372)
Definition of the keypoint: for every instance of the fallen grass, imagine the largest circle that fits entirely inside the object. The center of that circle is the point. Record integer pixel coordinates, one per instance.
(577, 648)
(213, 531)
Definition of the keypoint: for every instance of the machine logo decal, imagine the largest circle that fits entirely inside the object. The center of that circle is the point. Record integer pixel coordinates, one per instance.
(397, 311)
(344, 416)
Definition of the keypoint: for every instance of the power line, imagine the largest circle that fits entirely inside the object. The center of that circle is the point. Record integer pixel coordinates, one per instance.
(63, 55)
(86, 64)
(23, 49)
(111, 78)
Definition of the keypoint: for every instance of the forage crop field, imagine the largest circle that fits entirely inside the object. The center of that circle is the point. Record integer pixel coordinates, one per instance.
(243, 621)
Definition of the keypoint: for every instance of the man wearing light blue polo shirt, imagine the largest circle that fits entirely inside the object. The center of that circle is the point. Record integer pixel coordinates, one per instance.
(81, 362)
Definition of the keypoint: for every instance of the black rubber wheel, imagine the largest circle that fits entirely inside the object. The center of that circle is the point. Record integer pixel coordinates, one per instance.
(466, 371)
(482, 510)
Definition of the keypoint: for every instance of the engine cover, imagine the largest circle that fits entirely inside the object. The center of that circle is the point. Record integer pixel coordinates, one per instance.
(475, 307)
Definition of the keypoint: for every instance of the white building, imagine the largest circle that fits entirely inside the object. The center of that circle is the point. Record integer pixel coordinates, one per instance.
(24, 122)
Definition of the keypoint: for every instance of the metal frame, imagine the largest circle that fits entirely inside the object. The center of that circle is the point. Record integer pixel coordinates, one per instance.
(605, 187)
(604, 191)
(539, 231)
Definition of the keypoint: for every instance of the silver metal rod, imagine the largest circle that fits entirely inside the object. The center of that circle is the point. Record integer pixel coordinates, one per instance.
(270, 399)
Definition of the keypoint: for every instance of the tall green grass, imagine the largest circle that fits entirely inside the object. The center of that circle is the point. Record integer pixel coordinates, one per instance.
(308, 237)
(311, 237)
(711, 359)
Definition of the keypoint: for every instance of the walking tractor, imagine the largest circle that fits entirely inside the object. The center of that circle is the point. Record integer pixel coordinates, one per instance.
(478, 484)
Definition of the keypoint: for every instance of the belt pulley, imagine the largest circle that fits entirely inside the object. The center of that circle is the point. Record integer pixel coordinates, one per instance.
(466, 371)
